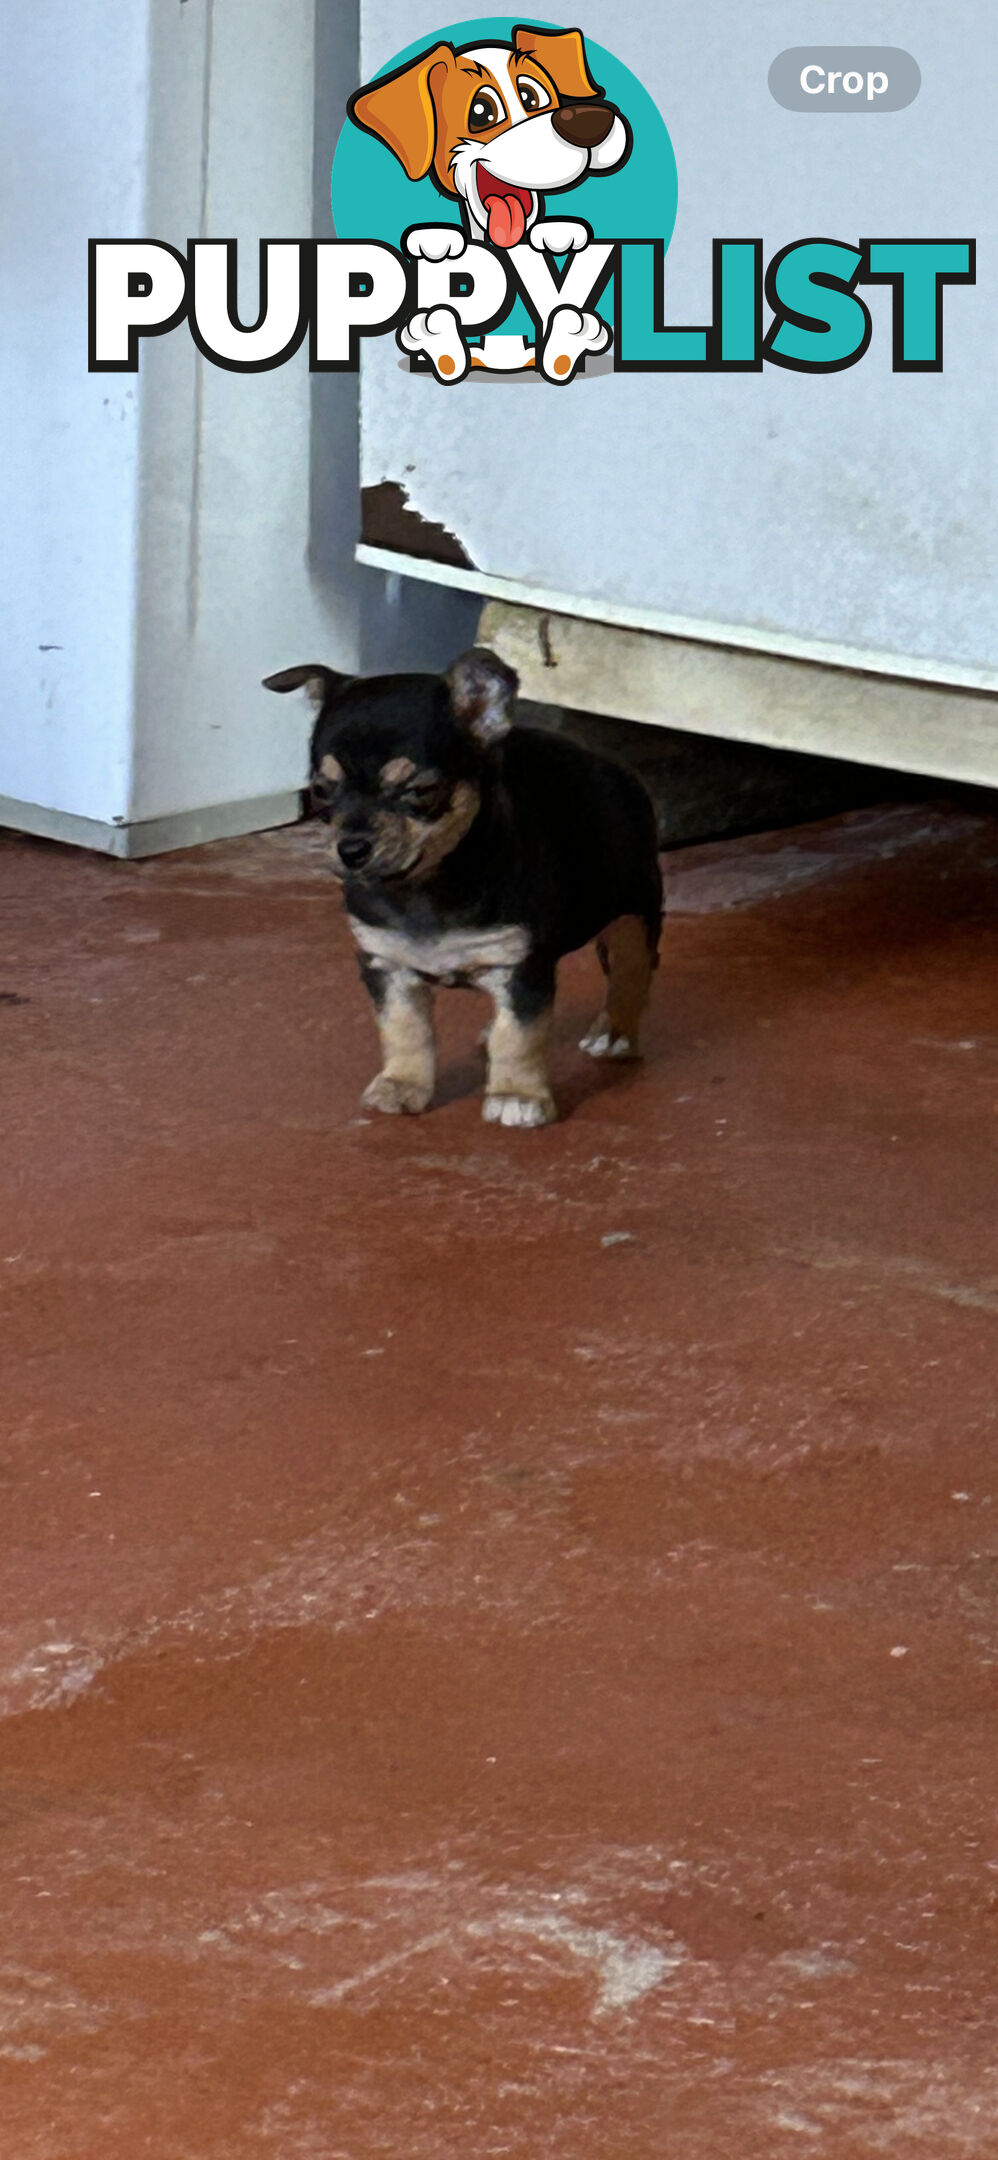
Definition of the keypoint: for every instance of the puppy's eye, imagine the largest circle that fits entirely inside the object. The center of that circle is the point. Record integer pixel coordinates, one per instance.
(484, 112)
(323, 792)
(424, 800)
(533, 96)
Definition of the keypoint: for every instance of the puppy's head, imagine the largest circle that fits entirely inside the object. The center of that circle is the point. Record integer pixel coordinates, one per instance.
(497, 125)
(399, 762)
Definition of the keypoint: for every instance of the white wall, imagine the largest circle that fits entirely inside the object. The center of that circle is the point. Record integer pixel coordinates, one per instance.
(853, 514)
(73, 87)
(226, 592)
(181, 533)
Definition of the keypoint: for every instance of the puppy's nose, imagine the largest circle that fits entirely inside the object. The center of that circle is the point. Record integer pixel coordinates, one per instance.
(584, 126)
(354, 849)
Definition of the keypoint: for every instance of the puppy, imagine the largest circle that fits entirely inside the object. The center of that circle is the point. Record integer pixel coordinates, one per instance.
(473, 851)
(498, 126)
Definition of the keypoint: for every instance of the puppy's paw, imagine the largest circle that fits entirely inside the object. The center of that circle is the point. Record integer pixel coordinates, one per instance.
(519, 1110)
(435, 243)
(570, 336)
(436, 333)
(396, 1097)
(560, 236)
(600, 1041)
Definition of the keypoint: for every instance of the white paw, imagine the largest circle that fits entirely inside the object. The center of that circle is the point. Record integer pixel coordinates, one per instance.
(435, 243)
(560, 236)
(396, 1097)
(569, 336)
(601, 1042)
(519, 1110)
(436, 333)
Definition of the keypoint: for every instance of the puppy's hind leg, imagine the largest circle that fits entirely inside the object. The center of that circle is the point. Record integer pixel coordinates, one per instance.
(404, 1006)
(436, 335)
(628, 959)
(569, 336)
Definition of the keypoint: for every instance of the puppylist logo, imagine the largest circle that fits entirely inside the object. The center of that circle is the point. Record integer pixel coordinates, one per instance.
(503, 199)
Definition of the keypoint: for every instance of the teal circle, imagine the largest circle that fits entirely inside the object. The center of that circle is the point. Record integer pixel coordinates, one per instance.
(372, 199)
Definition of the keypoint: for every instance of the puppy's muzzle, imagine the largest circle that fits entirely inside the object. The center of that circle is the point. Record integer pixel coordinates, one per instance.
(584, 126)
(354, 849)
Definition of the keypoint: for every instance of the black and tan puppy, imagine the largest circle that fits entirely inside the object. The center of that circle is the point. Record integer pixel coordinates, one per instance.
(473, 851)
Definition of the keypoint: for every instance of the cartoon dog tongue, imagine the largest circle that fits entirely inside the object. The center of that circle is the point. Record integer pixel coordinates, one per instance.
(507, 219)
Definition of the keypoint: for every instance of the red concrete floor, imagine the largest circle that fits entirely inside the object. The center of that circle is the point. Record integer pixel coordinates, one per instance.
(499, 1630)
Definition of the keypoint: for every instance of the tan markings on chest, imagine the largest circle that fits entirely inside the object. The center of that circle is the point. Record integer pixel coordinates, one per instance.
(448, 953)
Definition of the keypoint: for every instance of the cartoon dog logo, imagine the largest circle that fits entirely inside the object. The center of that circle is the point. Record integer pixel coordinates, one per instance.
(499, 127)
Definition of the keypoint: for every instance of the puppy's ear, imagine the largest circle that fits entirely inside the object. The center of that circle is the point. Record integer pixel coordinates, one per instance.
(401, 109)
(562, 55)
(321, 683)
(483, 694)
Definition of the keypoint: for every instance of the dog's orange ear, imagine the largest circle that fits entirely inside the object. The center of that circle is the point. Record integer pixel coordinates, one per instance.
(562, 55)
(400, 109)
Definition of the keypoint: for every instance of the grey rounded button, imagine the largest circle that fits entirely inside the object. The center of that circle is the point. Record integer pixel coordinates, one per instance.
(845, 78)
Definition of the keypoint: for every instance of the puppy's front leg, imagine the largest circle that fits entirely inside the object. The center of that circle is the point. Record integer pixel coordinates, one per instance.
(435, 243)
(518, 1091)
(560, 236)
(403, 1003)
